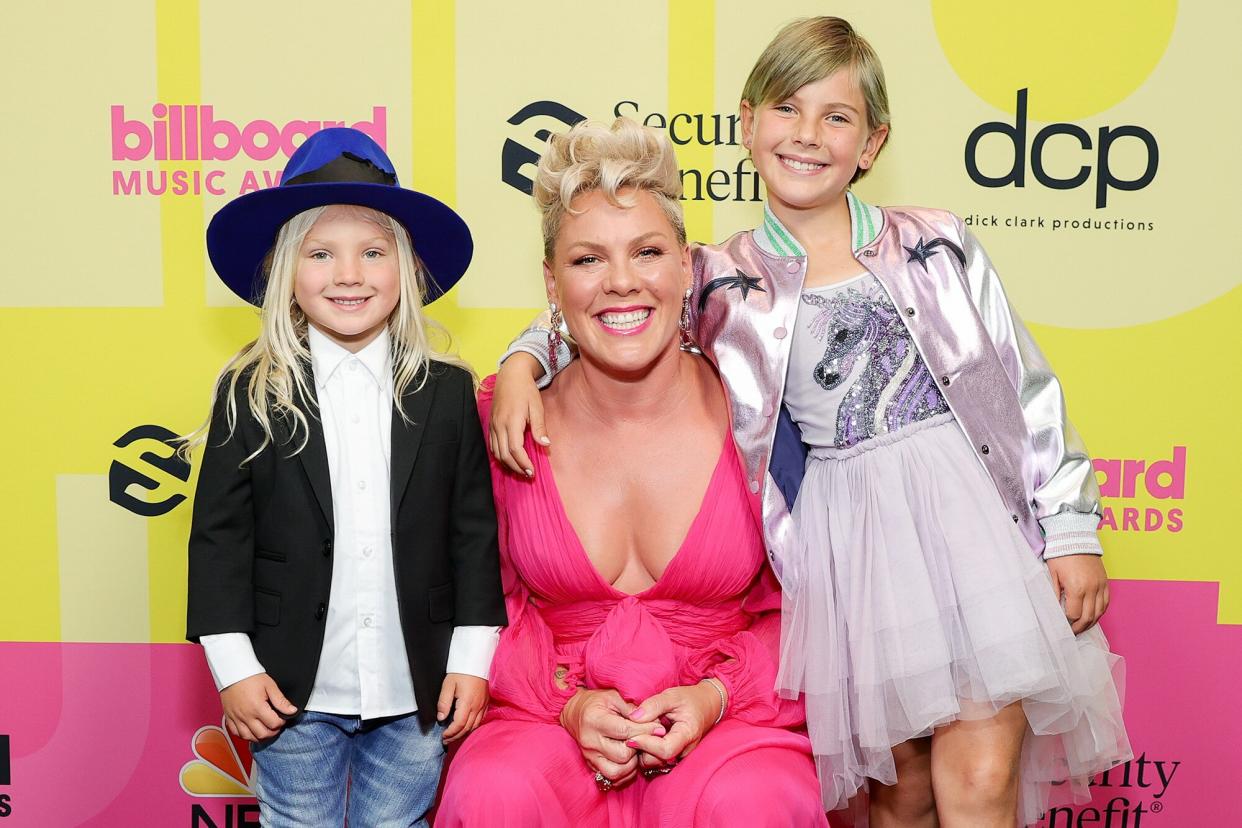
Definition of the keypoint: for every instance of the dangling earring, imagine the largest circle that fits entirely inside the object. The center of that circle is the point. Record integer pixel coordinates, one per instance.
(687, 341)
(554, 335)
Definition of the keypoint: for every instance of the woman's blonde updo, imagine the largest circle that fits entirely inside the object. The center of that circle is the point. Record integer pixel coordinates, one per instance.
(591, 156)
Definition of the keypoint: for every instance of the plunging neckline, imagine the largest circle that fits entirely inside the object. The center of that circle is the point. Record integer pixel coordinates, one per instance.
(572, 531)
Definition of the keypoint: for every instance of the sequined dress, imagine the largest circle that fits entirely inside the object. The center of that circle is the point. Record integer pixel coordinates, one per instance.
(915, 601)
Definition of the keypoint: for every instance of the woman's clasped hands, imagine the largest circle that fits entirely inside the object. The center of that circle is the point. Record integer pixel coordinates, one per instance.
(619, 739)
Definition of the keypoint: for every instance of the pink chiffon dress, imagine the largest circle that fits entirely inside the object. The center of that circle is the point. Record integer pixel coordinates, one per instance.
(715, 611)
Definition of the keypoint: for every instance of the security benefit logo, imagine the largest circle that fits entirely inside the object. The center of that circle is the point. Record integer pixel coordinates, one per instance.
(6, 777)
(1062, 156)
(740, 182)
(516, 157)
(1151, 491)
(222, 767)
(160, 473)
(1122, 797)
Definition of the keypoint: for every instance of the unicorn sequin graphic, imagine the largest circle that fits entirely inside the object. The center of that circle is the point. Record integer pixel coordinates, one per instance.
(865, 337)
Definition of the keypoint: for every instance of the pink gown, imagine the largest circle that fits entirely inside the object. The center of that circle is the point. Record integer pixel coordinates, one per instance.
(716, 611)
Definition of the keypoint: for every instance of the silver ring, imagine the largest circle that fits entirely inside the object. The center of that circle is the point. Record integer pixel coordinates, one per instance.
(602, 782)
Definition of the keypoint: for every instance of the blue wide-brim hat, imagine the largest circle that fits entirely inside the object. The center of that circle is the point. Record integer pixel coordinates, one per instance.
(338, 165)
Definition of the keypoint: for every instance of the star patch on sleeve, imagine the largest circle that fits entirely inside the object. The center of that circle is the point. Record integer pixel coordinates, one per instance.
(739, 281)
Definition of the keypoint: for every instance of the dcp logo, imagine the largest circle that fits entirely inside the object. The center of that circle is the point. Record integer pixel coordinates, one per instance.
(515, 156)
(121, 476)
(1105, 178)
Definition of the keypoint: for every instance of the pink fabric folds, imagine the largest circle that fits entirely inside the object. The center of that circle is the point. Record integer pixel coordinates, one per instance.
(715, 611)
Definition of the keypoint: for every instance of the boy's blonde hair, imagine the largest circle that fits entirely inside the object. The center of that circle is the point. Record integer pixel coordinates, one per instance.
(276, 367)
(591, 156)
(809, 50)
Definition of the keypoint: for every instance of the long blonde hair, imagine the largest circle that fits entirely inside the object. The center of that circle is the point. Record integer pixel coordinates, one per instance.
(275, 366)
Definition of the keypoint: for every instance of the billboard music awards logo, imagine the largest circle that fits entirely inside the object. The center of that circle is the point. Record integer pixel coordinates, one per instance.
(1082, 159)
(1161, 479)
(1133, 791)
(738, 183)
(222, 767)
(194, 133)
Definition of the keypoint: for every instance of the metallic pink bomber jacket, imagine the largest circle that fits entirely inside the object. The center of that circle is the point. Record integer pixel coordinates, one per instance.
(999, 386)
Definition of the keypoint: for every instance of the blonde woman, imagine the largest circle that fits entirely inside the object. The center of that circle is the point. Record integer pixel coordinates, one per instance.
(635, 683)
(343, 577)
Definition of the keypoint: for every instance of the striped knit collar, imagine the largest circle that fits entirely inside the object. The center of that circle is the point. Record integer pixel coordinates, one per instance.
(866, 222)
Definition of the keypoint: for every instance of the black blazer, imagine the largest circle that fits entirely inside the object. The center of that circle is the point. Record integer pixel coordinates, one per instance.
(261, 536)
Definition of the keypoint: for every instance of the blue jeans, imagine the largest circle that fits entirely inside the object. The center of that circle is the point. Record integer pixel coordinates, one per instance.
(323, 769)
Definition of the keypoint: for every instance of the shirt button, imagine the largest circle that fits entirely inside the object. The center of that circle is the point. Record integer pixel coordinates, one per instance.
(754, 486)
(793, 267)
(354, 418)
(780, 333)
(368, 621)
(366, 551)
(362, 484)
(353, 365)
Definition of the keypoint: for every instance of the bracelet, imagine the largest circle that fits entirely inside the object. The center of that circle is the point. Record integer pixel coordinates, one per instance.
(723, 701)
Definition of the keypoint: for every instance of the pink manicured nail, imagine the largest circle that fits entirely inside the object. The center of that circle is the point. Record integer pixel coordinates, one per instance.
(659, 731)
(631, 744)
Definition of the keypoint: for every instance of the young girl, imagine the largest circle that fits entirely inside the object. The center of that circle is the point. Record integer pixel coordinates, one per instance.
(943, 583)
(343, 552)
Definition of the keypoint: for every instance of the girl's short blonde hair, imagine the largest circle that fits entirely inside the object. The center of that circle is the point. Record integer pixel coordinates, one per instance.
(591, 156)
(811, 49)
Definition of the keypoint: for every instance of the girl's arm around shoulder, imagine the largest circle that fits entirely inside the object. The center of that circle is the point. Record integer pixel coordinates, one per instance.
(1065, 493)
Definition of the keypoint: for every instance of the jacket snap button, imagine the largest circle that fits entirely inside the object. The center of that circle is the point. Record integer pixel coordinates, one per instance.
(780, 333)
(1015, 518)
(327, 549)
(793, 267)
(944, 380)
(909, 311)
(322, 609)
(984, 448)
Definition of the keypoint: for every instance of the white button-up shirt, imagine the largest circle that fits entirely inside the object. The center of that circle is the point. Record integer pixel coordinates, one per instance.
(363, 667)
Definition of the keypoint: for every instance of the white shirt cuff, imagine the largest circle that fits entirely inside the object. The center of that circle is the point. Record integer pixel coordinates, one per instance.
(1071, 533)
(471, 651)
(230, 656)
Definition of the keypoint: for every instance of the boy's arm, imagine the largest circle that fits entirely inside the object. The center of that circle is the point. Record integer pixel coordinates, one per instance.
(230, 657)
(479, 599)
(221, 547)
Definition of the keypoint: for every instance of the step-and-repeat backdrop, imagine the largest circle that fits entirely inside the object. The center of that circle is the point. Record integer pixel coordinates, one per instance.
(1090, 145)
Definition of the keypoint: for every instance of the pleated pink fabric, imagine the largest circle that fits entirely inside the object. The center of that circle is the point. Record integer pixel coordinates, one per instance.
(715, 611)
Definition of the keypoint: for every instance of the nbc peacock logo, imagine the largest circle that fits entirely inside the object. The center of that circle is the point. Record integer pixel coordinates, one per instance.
(222, 766)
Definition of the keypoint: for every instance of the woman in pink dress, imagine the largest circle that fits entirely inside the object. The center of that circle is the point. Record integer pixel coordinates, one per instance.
(634, 684)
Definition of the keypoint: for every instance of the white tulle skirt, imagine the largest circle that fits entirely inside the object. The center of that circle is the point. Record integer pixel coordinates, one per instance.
(916, 602)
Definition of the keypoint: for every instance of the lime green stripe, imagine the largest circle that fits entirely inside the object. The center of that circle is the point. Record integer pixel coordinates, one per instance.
(791, 245)
(866, 211)
(855, 219)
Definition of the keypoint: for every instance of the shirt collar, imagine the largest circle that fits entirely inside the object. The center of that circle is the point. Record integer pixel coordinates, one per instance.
(866, 222)
(327, 356)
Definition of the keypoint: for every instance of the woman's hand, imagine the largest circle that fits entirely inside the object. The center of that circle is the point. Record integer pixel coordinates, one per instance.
(692, 710)
(1083, 581)
(516, 403)
(596, 719)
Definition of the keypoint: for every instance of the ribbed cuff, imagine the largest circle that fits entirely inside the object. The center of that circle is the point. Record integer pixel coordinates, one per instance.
(1071, 533)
